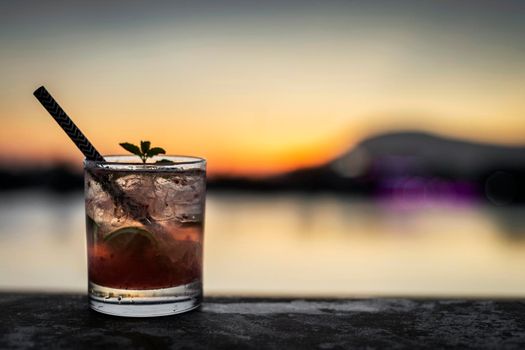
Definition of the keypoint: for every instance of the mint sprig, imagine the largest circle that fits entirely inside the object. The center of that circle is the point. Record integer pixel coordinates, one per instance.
(145, 151)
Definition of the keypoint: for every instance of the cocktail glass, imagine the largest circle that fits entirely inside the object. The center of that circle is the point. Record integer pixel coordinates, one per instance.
(145, 234)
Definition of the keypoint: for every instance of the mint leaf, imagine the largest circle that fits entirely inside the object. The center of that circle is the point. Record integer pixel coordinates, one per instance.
(145, 151)
(131, 148)
(154, 151)
(164, 161)
(144, 146)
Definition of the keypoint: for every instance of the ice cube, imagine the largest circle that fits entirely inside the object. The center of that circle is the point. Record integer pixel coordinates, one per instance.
(98, 202)
(177, 196)
(140, 188)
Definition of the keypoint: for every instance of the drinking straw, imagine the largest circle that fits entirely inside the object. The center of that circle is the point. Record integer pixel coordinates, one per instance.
(136, 210)
(67, 124)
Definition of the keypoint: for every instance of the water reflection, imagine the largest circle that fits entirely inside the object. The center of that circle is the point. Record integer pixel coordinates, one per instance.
(294, 245)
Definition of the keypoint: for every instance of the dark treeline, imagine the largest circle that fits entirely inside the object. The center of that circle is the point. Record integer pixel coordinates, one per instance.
(60, 178)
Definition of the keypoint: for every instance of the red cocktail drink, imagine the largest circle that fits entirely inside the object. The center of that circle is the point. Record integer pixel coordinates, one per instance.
(145, 235)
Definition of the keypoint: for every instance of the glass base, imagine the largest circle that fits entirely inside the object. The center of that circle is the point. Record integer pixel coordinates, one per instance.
(145, 303)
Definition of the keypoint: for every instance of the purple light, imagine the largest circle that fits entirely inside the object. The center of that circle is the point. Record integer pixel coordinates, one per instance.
(415, 192)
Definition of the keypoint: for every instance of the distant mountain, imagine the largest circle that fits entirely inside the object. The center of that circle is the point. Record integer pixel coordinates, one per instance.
(430, 154)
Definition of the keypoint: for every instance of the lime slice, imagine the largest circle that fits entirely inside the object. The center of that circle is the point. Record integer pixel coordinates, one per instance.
(130, 239)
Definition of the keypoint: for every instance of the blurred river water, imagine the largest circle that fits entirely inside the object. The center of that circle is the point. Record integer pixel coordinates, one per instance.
(293, 245)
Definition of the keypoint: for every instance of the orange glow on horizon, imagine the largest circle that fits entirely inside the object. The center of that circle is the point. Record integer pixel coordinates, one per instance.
(254, 163)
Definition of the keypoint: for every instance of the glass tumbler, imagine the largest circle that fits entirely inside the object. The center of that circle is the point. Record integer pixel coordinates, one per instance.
(144, 224)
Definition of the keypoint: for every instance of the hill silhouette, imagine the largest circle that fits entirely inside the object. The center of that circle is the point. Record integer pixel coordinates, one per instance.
(436, 154)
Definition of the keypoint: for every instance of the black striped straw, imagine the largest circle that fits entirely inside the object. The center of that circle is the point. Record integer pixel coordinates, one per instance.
(67, 124)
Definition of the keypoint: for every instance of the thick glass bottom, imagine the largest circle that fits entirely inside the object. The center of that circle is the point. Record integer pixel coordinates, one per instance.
(145, 303)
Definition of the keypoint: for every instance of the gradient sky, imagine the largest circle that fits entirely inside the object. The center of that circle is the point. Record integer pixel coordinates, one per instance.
(258, 87)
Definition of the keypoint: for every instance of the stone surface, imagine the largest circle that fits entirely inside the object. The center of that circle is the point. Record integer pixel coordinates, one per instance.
(65, 322)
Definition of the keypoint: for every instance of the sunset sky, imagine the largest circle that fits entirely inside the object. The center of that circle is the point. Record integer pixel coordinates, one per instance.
(258, 87)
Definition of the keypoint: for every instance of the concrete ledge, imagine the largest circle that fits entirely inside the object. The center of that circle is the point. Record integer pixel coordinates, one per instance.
(65, 322)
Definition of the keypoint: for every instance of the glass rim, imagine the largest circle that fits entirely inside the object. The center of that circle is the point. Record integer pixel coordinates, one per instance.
(178, 160)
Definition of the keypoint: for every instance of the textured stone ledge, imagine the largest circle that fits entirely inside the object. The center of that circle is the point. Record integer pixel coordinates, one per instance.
(64, 321)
